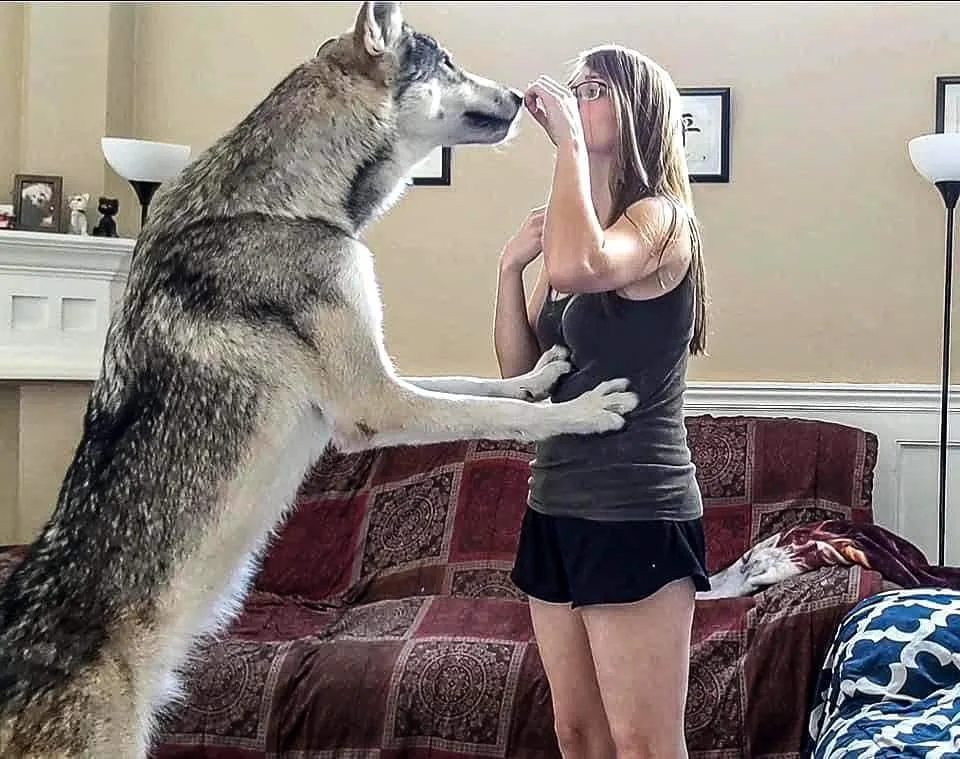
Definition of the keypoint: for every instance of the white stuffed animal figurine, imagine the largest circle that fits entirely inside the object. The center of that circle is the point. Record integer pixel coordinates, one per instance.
(78, 213)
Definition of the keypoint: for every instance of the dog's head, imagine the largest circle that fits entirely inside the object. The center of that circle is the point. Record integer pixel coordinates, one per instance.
(339, 135)
(433, 101)
(38, 194)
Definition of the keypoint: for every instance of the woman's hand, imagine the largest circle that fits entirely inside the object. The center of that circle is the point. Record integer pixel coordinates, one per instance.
(555, 108)
(526, 244)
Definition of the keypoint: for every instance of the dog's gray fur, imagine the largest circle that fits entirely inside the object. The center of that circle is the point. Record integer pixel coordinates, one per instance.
(248, 338)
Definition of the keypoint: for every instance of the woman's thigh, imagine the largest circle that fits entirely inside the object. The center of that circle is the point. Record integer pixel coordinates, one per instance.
(567, 662)
(641, 654)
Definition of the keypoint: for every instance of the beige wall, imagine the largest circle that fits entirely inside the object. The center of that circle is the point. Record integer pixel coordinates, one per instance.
(11, 42)
(9, 463)
(40, 424)
(809, 246)
(824, 251)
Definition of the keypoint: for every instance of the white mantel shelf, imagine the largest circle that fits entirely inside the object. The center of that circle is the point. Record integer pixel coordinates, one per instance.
(57, 294)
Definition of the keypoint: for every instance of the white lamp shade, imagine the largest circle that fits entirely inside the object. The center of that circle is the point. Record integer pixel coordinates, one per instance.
(144, 160)
(937, 156)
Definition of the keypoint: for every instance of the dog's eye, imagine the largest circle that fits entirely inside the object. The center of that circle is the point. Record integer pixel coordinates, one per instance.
(446, 61)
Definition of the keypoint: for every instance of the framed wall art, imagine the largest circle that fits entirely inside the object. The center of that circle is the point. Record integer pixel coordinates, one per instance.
(706, 132)
(38, 202)
(948, 104)
(434, 169)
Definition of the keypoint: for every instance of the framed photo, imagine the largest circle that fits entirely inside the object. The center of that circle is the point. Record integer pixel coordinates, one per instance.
(948, 104)
(434, 169)
(706, 132)
(38, 202)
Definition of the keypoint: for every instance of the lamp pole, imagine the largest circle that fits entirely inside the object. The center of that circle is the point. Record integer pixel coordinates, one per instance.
(950, 192)
(936, 157)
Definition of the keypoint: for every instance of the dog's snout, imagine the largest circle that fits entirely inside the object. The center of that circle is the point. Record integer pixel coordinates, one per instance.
(507, 101)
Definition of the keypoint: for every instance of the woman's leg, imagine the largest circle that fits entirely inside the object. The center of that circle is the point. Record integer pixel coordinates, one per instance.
(579, 717)
(641, 652)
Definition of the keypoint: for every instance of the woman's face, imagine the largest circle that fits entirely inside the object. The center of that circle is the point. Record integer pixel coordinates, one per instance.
(596, 111)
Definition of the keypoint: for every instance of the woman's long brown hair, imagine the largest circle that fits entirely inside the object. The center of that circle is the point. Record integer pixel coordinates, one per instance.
(651, 160)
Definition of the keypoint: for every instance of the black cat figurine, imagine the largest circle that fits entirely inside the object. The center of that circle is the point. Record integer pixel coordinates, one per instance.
(107, 226)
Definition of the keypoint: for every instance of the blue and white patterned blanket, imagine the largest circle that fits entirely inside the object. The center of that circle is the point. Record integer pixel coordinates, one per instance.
(890, 683)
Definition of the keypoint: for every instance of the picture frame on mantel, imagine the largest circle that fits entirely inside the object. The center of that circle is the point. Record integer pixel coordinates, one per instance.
(38, 202)
(706, 132)
(948, 104)
(434, 170)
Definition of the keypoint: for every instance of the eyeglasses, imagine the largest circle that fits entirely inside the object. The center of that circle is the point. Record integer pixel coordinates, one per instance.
(589, 90)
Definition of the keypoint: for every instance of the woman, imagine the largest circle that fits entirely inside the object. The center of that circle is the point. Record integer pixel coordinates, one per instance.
(612, 545)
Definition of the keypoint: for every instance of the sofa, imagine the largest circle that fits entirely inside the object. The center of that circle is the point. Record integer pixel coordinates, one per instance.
(383, 623)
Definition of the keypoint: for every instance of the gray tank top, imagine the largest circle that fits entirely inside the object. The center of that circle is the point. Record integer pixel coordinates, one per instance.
(644, 470)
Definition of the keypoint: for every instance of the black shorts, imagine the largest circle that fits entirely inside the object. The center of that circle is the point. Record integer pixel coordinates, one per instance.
(586, 561)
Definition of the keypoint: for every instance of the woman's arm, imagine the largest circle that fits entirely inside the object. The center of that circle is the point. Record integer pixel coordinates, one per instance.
(514, 339)
(581, 256)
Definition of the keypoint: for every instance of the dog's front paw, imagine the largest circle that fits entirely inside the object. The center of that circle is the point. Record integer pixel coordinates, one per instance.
(551, 355)
(602, 409)
(536, 384)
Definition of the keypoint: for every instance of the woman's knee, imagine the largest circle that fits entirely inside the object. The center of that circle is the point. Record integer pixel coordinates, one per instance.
(659, 742)
(584, 738)
(572, 736)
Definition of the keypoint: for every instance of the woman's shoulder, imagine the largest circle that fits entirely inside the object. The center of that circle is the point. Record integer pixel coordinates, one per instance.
(664, 224)
(656, 210)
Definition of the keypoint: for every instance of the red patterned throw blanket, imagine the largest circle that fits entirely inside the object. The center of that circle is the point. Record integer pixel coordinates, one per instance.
(834, 542)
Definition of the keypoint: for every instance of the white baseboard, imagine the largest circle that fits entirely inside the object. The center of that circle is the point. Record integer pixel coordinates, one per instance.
(906, 420)
(819, 397)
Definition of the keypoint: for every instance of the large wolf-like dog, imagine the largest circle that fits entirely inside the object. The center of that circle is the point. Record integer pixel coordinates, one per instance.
(248, 339)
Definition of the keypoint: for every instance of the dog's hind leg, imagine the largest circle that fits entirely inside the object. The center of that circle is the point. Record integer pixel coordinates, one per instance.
(535, 385)
(92, 719)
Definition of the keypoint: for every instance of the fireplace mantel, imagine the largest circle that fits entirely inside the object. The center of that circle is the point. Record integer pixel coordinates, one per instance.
(57, 294)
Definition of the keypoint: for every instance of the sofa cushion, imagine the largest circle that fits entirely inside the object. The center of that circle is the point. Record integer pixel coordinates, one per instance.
(438, 519)
(762, 475)
(444, 518)
(461, 678)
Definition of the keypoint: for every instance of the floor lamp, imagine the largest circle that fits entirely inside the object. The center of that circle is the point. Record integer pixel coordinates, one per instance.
(144, 164)
(937, 158)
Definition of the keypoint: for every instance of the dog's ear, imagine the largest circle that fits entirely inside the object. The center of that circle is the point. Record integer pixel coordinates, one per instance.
(378, 28)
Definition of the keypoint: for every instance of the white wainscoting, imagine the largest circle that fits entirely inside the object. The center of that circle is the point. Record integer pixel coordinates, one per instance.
(906, 420)
(57, 293)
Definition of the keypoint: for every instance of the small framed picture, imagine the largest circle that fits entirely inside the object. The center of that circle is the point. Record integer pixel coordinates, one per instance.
(948, 104)
(706, 132)
(38, 202)
(434, 169)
